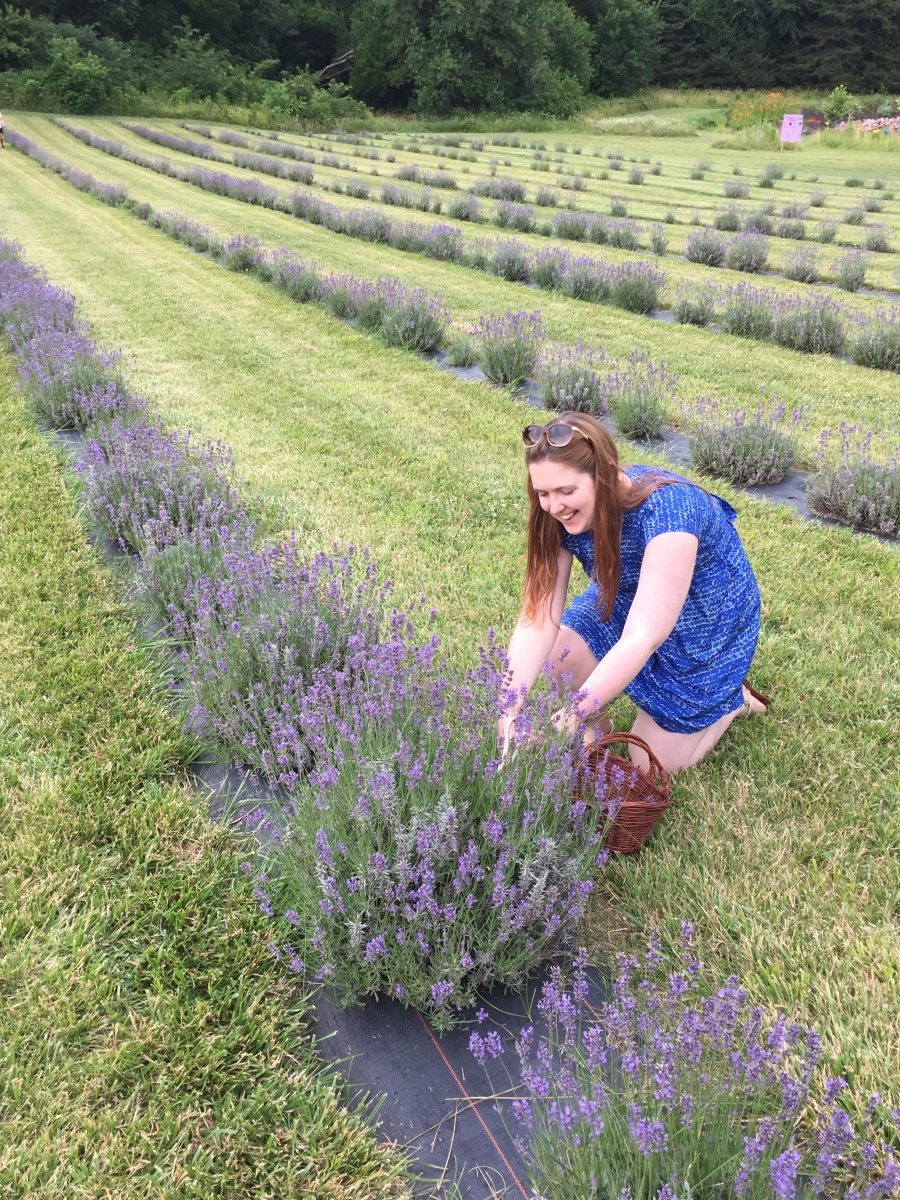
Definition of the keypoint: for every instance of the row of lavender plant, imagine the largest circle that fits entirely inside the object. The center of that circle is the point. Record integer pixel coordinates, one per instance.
(748, 252)
(815, 324)
(674, 1090)
(511, 348)
(747, 449)
(405, 861)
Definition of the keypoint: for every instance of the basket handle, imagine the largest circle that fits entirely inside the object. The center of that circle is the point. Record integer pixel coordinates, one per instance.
(613, 739)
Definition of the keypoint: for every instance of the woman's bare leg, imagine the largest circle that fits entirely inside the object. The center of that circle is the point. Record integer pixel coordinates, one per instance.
(676, 751)
(571, 662)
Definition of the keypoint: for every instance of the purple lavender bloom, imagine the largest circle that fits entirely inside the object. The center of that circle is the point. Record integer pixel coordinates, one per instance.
(783, 1173)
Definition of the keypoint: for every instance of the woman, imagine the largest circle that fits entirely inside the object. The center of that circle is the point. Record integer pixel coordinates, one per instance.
(671, 615)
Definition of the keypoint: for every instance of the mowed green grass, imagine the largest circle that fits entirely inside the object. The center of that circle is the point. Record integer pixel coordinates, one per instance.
(148, 1043)
(737, 371)
(782, 848)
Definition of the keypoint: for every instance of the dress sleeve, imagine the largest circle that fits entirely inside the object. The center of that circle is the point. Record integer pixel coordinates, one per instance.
(675, 508)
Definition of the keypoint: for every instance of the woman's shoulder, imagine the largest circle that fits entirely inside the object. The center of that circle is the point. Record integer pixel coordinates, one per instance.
(679, 506)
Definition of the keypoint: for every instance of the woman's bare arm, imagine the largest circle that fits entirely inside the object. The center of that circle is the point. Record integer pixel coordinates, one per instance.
(532, 641)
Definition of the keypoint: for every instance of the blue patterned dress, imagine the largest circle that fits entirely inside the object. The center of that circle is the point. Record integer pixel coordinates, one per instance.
(695, 676)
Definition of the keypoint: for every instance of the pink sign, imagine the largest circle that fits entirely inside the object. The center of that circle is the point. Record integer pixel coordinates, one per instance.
(791, 127)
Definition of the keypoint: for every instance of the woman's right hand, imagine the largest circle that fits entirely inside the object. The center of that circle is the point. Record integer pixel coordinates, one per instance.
(505, 731)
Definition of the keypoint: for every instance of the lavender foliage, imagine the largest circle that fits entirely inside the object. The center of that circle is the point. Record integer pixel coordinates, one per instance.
(261, 630)
(876, 342)
(854, 487)
(672, 1090)
(746, 448)
(508, 346)
(704, 246)
(748, 252)
(640, 395)
(570, 379)
(414, 866)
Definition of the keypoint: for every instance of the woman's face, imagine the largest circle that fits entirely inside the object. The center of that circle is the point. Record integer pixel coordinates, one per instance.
(565, 493)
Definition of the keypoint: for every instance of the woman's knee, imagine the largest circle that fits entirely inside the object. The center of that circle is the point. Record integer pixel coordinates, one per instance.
(571, 659)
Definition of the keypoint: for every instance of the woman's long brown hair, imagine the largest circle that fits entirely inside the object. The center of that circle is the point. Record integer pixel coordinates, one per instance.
(596, 455)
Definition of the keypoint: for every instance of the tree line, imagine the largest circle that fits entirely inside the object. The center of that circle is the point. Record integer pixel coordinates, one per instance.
(436, 56)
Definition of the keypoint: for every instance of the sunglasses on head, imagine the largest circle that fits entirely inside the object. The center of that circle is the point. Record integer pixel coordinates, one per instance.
(558, 434)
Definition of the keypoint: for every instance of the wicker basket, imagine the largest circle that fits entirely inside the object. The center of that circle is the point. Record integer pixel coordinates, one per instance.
(642, 798)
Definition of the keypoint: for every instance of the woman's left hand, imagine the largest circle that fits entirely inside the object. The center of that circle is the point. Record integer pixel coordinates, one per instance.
(566, 720)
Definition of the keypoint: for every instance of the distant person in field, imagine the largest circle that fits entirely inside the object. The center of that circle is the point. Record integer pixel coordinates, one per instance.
(2, 142)
(671, 614)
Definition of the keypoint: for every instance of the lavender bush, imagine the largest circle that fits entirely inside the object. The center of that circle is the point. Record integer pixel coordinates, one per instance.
(570, 381)
(850, 270)
(747, 312)
(876, 342)
(241, 253)
(852, 487)
(298, 279)
(260, 633)
(622, 233)
(748, 252)
(549, 267)
(514, 216)
(636, 287)
(744, 448)
(814, 325)
(791, 227)
(671, 1090)
(729, 220)
(878, 240)
(759, 221)
(184, 229)
(588, 278)
(639, 395)
(796, 209)
(803, 265)
(496, 188)
(659, 241)
(413, 320)
(571, 225)
(463, 208)
(826, 232)
(695, 306)
(705, 246)
(508, 346)
(142, 482)
(736, 189)
(461, 353)
(414, 866)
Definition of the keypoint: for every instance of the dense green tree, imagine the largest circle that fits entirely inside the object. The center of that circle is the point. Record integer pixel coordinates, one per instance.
(443, 55)
(76, 78)
(627, 44)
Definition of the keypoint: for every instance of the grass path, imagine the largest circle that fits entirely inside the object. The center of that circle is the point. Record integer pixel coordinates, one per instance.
(734, 369)
(783, 848)
(147, 1043)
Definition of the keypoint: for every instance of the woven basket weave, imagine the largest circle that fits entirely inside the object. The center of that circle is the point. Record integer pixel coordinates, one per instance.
(640, 799)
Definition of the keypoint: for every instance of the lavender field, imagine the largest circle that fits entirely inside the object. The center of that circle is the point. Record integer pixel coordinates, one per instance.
(295, 367)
